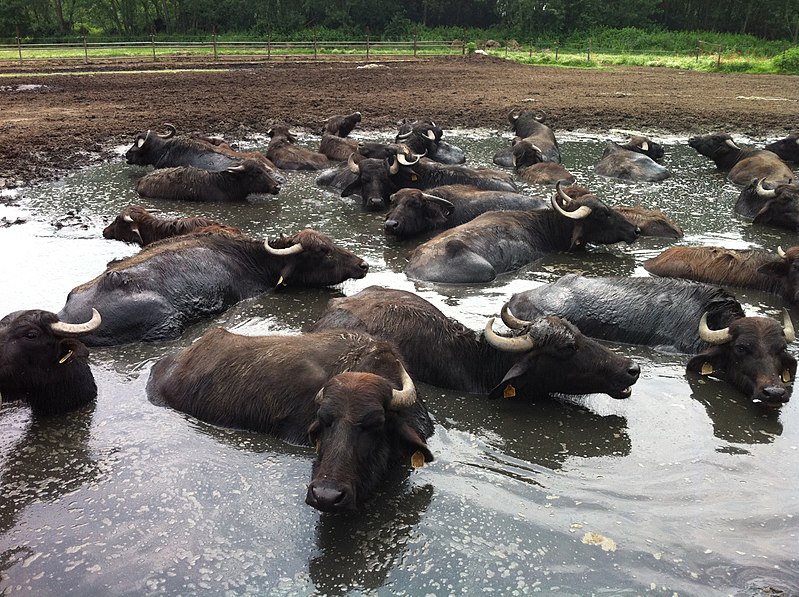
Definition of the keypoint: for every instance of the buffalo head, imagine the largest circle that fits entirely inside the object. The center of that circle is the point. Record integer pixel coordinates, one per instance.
(147, 147)
(413, 211)
(341, 126)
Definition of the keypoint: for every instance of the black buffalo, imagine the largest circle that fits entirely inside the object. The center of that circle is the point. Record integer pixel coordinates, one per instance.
(155, 294)
(530, 126)
(645, 146)
(786, 148)
(748, 268)
(345, 393)
(689, 317)
(136, 225)
(335, 144)
(772, 204)
(44, 363)
(414, 211)
(629, 164)
(186, 183)
(651, 222)
(544, 356)
(425, 137)
(743, 164)
(498, 242)
(532, 168)
(286, 154)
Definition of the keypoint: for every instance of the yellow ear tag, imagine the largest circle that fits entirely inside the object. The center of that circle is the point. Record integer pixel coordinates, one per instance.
(786, 376)
(65, 358)
(578, 242)
(317, 446)
(509, 391)
(417, 460)
(707, 369)
(414, 177)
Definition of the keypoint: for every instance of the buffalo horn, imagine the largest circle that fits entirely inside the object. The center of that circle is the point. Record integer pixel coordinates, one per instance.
(787, 327)
(731, 143)
(394, 167)
(238, 168)
(519, 344)
(439, 200)
(61, 328)
(404, 136)
(430, 135)
(713, 336)
(781, 253)
(292, 250)
(405, 162)
(406, 396)
(763, 192)
(510, 320)
(353, 165)
(171, 131)
(514, 115)
(580, 213)
(127, 218)
(645, 146)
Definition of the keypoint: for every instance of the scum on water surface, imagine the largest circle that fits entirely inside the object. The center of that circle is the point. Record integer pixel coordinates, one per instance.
(691, 487)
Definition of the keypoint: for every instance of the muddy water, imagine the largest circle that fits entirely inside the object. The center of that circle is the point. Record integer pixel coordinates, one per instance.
(684, 488)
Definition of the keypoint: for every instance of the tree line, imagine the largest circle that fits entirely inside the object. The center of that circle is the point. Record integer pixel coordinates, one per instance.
(388, 19)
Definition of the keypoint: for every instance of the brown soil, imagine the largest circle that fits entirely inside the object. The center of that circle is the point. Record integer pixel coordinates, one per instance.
(75, 119)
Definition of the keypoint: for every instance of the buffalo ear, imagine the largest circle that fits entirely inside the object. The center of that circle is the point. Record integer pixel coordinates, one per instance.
(707, 363)
(774, 269)
(354, 188)
(577, 237)
(454, 247)
(512, 382)
(415, 443)
(72, 347)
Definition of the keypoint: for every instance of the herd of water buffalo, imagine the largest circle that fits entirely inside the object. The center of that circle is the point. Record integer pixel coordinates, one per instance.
(352, 392)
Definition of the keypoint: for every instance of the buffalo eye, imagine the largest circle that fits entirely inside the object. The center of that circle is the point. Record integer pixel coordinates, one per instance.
(32, 334)
(741, 349)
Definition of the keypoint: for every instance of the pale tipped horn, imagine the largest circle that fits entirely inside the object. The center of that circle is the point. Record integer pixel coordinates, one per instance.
(61, 328)
(405, 396)
(127, 218)
(404, 136)
(406, 162)
(510, 320)
(394, 167)
(353, 165)
(580, 213)
(644, 146)
(430, 135)
(439, 200)
(781, 253)
(171, 131)
(764, 192)
(787, 327)
(713, 336)
(520, 344)
(292, 250)
(731, 143)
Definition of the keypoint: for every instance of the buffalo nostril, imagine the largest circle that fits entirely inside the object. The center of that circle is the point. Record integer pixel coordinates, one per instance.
(634, 370)
(774, 393)
(364, 266)
(391, 224)
(637, 231)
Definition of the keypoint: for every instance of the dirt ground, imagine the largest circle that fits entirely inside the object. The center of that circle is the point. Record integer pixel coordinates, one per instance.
(74, 120)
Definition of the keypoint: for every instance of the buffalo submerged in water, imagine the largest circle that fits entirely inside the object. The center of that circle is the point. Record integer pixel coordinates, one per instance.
(173, 283)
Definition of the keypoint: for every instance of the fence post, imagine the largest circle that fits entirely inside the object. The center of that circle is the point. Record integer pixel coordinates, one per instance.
(216, 55)
(367, 44)
(315, 57)
(697, 53)
(415, 36)
(718, 59)
(85, 51)
(531, 50)
(152, 42)
(269, 45)
(589, 49)
(19, 48)
(463, 45)
(557, 48)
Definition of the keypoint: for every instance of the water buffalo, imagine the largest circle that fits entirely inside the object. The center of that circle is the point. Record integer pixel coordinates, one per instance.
(345, 393)
(334, 143)
(171, 284)
(414, 211)
(744, 164)
(286, 154)
(651, 222)
(425, 137)
(186, 183)
(619, 162)
(771, 204)
(43, 362)
(528, 160)
(498, 242)
(690, 317)
(748, 268)
(136, 225)
(645, 146)
(786, 148)
(547, 355)
(529, 126)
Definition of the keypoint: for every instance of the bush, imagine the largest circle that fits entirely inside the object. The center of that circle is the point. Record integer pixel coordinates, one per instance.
(471, 47)
(788, 61)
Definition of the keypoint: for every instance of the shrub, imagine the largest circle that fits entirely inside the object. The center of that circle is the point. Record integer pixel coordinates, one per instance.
(471, 47)
(788, 61)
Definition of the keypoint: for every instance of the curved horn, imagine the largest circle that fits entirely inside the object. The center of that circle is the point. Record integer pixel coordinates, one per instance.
(787, 327)
(580, 213)
(407, 395)
(781, 253)
(520, 344)
(238, 168)
(430, 135)
(394, 167)
(68, 330)
(731, 143)
(353, 165)
(514, 115)
(439, 200)
(713, 336)
(171, 131)
(763, 192)
(644, 146)
(292, 250)
(127, 218)
(404, 135)
(510, 320)
(405, 162)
